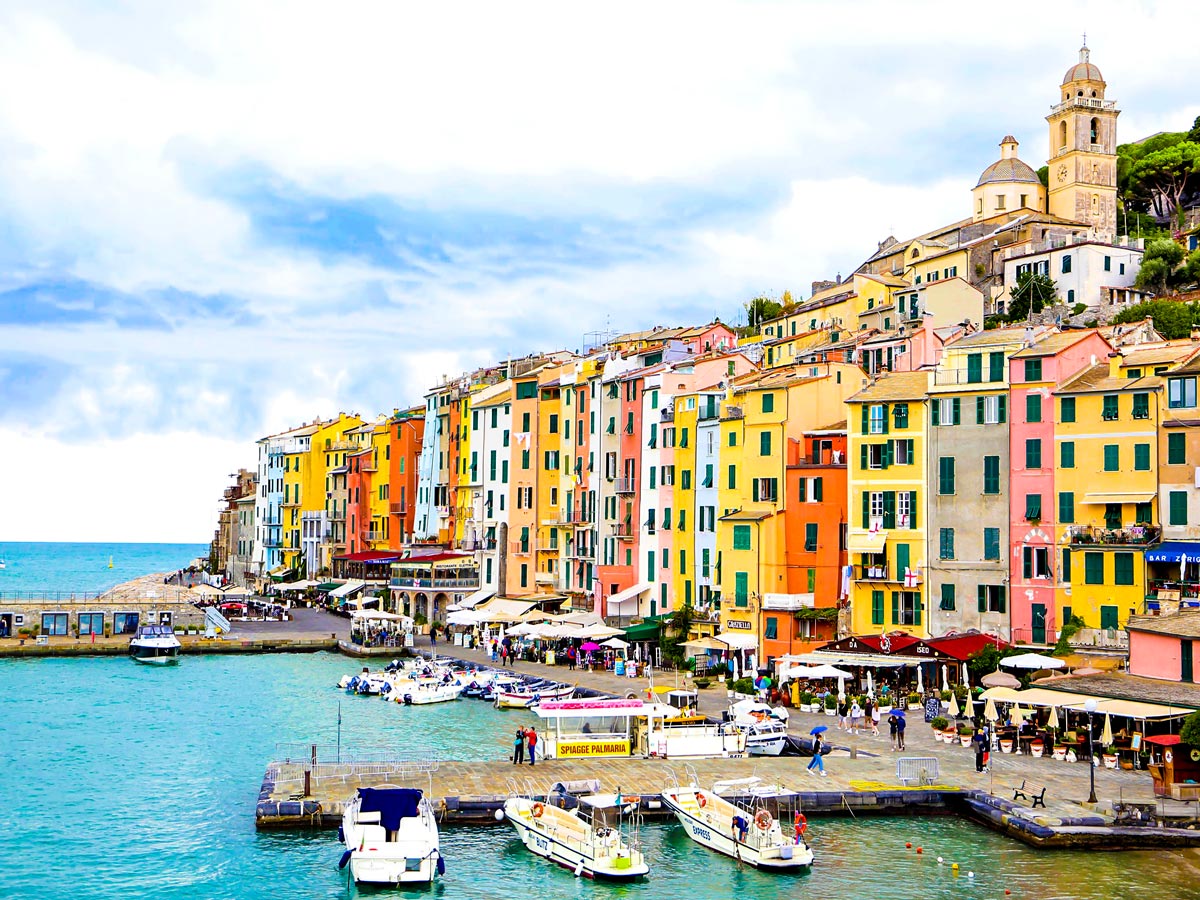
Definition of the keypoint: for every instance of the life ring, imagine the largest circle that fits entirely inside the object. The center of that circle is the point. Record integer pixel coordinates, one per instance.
(763, 820)
(701, 800)
(1167, 757)
(537, 810)
(801, 823)
(1195, 754)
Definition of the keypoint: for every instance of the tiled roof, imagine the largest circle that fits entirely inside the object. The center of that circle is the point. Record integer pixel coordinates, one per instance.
(1127, 687)
(889, 280)
(895, 386)
(1006, 170)
(993, 338)
(1157, 356)
(1097, 378)
(1185, 623)
(1053, 343)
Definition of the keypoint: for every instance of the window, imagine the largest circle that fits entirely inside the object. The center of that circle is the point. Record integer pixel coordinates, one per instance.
(1033, 507)
(974, 368)
(1033, 407)
(1066, 264)
(1066, 507)
(1112, 515)
(764, 444)
(772, 630)
(946, 411)
(903, 454)
(1123, 568)
(554, 422)
(1067, 409)
(876, 607)
(1093, 568)
(54, 624)
(991, 474)
(1177, 508)
(1141, 406)
(1176, 449)
(946, 543)
(741, 589)
(768, 402)
(991, 598)
(91, 623)
(1112, 458)
(741, 537)
(996, 366)
(877, 423)
(946, 475)
(1033, 370)
(906, 608)
(1109, 617)
(990, 410)
(1066, 453)
(810, 537)
(1033, 453)
(900, 415)
(732, 477)
(1141, 457)
(733, 439)
(947, 597)
(766, 490)
(1181, 393)
(906, 504)
(991, 543)
(1035, 562)
(125, 622)
(1111, 408)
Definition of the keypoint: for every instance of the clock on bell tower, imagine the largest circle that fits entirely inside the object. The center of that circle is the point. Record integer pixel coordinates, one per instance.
(1083, 150)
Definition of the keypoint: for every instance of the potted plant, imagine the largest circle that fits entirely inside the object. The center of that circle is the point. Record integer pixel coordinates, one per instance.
(701, 683)
(938, 725)
(806, 701)
(1036, 747)
(1006, 745)
(1110, 757)
(830, 705)
(965, 733)
(914, 701)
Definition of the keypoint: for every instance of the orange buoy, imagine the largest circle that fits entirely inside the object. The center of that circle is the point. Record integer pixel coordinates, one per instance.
(908, 845)
(919, 850)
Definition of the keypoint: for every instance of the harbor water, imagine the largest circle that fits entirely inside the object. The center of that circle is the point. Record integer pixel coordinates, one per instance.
(125, 781)
(48, 567)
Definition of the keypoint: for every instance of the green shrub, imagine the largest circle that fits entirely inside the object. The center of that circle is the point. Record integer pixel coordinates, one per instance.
(744, 686)
(1190, 732)
(806, 698)
(939, 723)
(830, 701)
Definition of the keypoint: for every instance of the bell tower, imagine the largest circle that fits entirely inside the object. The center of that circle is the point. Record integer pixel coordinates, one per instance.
(1083, 150)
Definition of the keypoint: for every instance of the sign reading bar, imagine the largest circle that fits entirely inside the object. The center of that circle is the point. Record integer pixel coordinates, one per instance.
(576, 749)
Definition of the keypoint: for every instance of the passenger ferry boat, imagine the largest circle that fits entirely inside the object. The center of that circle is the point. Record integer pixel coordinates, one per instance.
(155, 645)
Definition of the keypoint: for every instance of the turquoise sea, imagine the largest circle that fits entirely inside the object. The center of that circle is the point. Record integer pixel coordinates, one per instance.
(121, 781)
(83, 568)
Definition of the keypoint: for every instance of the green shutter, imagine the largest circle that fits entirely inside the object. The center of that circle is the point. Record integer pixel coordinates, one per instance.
(1176, 449)
(1003, 408)
(1003, 599)
(866, 509)
(957, 404)
(886, 413)
(1066, 573)
(1141, 457)
(1067, 409)
(935, 411)
(917, 610)
(996, 366)
(889, 509)
(1067, 455)
(912, 509)
(902, 560)
(1033, 407)
(974, 368)
(866, 419)
(981, 596)
(818, 489)
(1112, 458)
(876, 607)
(1066, 507)
(895, 608)
(1178, 509)
(979, 405)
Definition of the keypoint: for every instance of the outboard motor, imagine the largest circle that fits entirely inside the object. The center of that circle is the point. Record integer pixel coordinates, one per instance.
(408, 699)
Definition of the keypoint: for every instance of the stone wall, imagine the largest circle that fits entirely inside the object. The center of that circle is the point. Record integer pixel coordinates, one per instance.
(18, 614)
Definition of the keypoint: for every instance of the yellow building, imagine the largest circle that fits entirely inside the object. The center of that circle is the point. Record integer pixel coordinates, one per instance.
(296, 463)
(685, 548)
(1106, 480)
(889, 468)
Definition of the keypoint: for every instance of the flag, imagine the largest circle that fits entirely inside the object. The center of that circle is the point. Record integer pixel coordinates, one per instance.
(910, 577)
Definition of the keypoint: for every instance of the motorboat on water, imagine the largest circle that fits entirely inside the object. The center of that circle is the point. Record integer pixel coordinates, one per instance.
(155, 645)
(766, 728)
(526, 695)
(589, 840)
(749, 834)
(419, 693)
(367, 683)
(391, 837)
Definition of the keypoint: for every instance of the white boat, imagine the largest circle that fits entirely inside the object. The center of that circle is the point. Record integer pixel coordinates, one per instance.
(526, 696)
(590, 847)
(391, 837)
(749, 836)
(766, 728)
(155, 645)
(418, 693)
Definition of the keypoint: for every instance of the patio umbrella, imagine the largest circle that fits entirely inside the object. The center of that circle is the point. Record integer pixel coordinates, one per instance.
(969, 712)
(966, 679)
(1032, 661)
(1016, 717)
(1000, 679)
(589, 646)
(615, 643)
(920, 685)
(989, 710)
(1052, 722)
(870, 685)
(1106, 736)
(945, 678)
(954, 710)
(841, 688)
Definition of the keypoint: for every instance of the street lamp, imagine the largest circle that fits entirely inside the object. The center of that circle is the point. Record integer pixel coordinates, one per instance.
(1090, 707)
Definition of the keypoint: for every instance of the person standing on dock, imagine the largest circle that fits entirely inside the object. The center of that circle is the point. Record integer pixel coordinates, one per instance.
(519, 747)
(531, 739)
(817, 764)
(900, 724)
(894, 730)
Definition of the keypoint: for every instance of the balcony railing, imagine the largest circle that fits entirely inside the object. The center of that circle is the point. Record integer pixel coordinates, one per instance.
(398, 509)
(588, 551)
(374, 536)
(622, 530)
(1133, 536)
(1085, 103)
(667, 414)
(450, 584)
(707, 413)
(519, 548)
(872, 573)
(580, 517)
(626, 485)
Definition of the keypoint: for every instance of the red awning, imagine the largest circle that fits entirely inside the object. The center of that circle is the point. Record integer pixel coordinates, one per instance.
(1165, 740)
(370, 556)
(963, 646)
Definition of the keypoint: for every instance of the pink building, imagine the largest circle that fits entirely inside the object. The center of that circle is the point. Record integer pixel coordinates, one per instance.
(1162, 646)
(1033, 563)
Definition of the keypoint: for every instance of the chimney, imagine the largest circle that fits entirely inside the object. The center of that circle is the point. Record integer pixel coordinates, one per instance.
(1114, 364)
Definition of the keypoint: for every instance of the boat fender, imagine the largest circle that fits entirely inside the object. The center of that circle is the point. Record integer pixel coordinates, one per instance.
(1195, 754)
(701, 800)
(763, 820)
(579, 869)
(441, 866)
(632, 695)
(408, 699)
(345, 859)
(801, 823)
(537, 810)
(341, 834)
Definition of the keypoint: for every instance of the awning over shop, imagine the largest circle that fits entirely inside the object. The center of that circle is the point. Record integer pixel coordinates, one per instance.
(329, 585)
(646, 631)
(737, 640)
(281, 572)
(1118, 497)
(821, 657)
(627, 596)
(350, 587)
(472, 600)
(866, 541)
(1175, 552)
(371, 557)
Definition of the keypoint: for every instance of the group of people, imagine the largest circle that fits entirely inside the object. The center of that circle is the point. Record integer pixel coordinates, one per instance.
(854, 718)
(525, 743)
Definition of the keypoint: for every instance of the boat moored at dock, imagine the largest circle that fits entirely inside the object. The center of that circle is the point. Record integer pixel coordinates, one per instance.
(591, 844)
(391, 837)
(155, 645)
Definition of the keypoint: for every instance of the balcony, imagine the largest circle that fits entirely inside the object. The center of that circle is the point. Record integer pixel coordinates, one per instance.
(447, 584)
(546, 578)
(374, 537)
(1083, 103)
(273, 544)
(734, 412)
(519, 548)
(580, 517)
(622, 530)
(881, 572)
(398, 509)
(708, 413)
(588, 551)
(825, 459)
(626, 486)
(1133, 536)
(667, 414)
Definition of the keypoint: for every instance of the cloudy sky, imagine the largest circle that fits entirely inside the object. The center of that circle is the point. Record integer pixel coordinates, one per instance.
(221, 219)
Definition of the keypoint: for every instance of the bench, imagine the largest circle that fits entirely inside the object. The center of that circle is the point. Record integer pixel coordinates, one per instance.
(921, 770)
(1031, 791)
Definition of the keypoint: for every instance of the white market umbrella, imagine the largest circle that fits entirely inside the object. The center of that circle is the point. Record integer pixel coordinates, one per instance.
(827, 671)
(920, 683)
(1017, 717)
(969, 712)
(1106, 736)
(841, 688)
(966, 676)
(1052, 722)
(615, 643)
(954, 710)
(870, 685)
(945, 678)
(989, 710)
(1032, 661)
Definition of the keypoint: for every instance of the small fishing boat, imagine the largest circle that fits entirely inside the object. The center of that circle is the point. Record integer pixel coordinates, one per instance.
(750, 836)
(419, 693)
(526, 695)
(591, 845)
(391, 837)
(155, 645)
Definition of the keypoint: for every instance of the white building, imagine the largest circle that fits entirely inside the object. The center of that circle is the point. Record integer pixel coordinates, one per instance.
(1080, 271)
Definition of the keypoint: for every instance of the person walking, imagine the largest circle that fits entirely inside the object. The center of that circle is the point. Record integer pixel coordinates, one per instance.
(519, 747)
(874, 716)
(817, 764)
(843, 711)
(900, 723)
(894, 730)
(433, 638)
(979, 742)
(531, 740)
(856, 715)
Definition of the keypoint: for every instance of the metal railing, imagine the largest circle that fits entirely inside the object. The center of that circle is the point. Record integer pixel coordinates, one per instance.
(626, 485)
(1133, 536)
(872, 573)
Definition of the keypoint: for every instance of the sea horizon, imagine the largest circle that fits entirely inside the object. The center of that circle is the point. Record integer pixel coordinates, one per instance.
(84, 566)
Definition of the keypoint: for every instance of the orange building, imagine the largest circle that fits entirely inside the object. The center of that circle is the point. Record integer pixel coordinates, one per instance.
(404, 449)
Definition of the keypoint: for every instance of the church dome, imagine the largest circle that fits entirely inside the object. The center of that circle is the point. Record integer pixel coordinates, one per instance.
(1084, 70)
(1008, 168)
